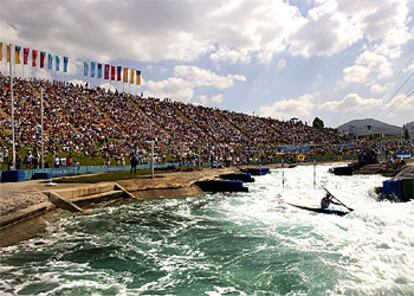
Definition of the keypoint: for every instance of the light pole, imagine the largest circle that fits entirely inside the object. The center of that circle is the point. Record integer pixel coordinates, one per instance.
(12, 117)
(42, 137)
(152, 157)
(199, 157)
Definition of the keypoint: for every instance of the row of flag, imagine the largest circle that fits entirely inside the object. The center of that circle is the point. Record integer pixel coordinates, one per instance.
(34, 53)
(110, 72)
(53, 62)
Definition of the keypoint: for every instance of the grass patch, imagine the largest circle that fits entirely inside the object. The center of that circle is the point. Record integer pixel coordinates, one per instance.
(111, 177)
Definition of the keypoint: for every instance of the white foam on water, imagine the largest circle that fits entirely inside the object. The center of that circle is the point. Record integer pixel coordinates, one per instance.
(375, 242)
(367, 252)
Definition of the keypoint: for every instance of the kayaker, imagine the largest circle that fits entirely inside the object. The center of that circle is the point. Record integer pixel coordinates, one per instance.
(327, 200)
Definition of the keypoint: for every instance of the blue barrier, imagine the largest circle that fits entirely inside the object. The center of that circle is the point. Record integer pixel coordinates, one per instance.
(41, 176)
(244, 177)
(256, 171)
(392, 187)
(70, 171)
(12, 176)
(222, 186)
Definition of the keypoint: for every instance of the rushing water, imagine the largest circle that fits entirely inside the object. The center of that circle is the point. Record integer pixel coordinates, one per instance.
(226, 244)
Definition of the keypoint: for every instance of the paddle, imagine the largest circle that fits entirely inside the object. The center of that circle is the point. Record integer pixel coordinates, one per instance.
(350, 209)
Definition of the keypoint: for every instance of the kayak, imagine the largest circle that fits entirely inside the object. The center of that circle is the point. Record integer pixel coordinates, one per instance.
(322, 211)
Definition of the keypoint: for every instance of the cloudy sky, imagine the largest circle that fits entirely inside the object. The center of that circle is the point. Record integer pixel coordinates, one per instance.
(336, 59)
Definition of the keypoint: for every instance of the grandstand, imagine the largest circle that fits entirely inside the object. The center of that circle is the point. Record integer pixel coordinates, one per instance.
(95, 122)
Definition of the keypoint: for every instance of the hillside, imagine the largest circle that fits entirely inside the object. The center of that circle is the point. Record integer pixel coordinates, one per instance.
(359, 127)
(410, 125)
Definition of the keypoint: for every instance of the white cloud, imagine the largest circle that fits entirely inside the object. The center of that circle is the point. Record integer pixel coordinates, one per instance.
(217, 98)
(301, 107)
(225, 54)
(327, 31)
(355, 73)
(175, 88)
(187, 78)
(203, 77)
(204, 100)
(386, 27)
(377, 88)
(351, 102)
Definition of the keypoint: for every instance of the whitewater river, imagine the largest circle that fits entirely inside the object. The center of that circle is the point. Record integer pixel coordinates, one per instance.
(226, 244)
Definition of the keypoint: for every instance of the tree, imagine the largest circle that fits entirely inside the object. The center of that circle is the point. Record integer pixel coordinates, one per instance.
(318, 123)
(406, 133)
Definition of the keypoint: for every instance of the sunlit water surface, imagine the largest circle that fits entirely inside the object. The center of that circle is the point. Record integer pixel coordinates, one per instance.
(226, 244)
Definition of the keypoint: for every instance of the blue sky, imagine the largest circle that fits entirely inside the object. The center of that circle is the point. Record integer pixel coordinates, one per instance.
(336, 59)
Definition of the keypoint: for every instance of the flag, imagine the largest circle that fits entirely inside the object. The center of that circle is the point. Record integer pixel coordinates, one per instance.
(1, 51)
(26, 52)
(42, 59)
(99, 71)
(49, 61)
(34, 57)
(132, 76)
(138, 82)
(17, 54)
(118, 73)
(57, 63)
(112, 72)
(93, 65)
(125, 75)
(65, 64)
(107, 69)
(85, 69)
(8, 53)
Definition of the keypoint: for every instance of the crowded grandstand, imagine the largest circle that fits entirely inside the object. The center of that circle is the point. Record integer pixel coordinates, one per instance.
(99, 123)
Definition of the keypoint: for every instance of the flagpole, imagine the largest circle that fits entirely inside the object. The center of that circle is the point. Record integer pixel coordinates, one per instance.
(12, 116)
(42, 147)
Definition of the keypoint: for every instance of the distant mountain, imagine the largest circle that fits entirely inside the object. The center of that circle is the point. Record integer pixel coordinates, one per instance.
(360, 127)
(410, 125)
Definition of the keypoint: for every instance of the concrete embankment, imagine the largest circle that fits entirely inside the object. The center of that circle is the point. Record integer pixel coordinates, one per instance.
(28, 207)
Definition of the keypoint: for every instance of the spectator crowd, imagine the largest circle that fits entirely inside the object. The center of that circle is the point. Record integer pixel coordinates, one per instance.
(95, 122)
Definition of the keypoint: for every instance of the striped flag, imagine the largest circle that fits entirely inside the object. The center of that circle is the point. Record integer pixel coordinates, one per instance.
(118, 73)
(65, 64)
(93, 65)
(42, 59)
(125, 75)
(17, 50)
(26, 52)
(57, 63)
(99, 71)
(85, 69)
(132, 76)
(1, 51)
(138, 81)
(34, 57)
(107, 69)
